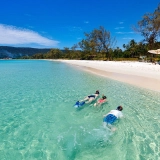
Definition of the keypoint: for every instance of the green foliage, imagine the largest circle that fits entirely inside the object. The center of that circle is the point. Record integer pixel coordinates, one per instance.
(99, 41)
(133, 51)
(149, 27)
(54, 54)
(38, 56)
(100, 45)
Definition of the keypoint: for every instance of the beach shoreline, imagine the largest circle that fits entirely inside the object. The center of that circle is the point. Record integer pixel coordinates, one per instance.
(140, 74)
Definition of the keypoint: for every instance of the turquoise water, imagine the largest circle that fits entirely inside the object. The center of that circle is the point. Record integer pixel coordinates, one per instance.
(38, 120)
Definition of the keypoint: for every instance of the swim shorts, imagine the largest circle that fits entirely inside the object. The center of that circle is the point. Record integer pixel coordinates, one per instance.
(110, 118)
(91, 96)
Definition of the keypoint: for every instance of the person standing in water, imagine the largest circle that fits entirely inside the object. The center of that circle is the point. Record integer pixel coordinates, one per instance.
(111, 117)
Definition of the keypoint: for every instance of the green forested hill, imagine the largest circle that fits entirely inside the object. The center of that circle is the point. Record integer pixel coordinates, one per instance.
(17, 52)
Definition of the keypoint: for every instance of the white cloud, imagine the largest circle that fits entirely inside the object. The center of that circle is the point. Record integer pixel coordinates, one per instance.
(73, 29)
(86, 22)
(127, 38)
(124, 32)
(119, 28)
(10, 35)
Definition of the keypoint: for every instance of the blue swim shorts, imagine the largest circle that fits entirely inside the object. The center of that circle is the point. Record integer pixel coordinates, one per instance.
(110, 118)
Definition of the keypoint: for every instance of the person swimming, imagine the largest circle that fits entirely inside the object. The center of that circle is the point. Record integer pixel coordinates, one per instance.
(88, 99)
(91, 97)
(111, 117)
(101, 101)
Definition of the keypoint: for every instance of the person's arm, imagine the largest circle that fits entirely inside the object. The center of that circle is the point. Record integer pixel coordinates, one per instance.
(120, 115)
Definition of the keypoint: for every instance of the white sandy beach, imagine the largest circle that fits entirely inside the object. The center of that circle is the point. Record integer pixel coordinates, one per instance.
(141, 74)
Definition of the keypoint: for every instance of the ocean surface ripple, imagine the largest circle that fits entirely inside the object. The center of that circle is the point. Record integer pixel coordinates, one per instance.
(38, 120)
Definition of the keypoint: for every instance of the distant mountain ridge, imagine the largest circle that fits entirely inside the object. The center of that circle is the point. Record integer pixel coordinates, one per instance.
(18, 52)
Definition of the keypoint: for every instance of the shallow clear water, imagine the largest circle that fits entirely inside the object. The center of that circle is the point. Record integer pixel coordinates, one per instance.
(38, 120)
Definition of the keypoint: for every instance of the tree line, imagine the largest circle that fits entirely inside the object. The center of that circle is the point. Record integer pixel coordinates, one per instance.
(100, 45)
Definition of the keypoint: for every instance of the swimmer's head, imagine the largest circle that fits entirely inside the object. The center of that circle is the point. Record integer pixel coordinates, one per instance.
(120, 108)
(104, 97)
(97, 92)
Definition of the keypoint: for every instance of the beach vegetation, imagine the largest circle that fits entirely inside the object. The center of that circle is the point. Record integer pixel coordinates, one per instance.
(98, 44)
(149, 27)
(54, 54)
(133, 51)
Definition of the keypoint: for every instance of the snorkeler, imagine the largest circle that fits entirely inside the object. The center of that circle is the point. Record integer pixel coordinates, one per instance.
(111, 117)
(88, 99)
(91, 97)
(101, 101)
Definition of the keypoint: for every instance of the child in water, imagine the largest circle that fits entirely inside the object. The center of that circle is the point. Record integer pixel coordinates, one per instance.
(101, 101)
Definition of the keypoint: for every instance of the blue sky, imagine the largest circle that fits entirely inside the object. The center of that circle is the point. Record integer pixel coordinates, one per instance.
(62, 23)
